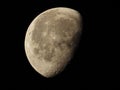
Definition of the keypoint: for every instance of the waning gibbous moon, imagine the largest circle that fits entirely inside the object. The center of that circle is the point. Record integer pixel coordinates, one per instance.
(51, 39)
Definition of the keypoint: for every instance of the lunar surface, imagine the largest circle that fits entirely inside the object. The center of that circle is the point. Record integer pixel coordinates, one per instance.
(51, 39)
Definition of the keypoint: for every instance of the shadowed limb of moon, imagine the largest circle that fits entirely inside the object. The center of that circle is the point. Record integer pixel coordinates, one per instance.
(51, 39)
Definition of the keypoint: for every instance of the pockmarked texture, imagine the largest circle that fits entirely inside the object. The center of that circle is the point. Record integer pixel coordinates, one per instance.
(51, 39)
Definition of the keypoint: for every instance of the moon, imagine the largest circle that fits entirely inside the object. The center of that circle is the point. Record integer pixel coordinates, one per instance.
(51, 39)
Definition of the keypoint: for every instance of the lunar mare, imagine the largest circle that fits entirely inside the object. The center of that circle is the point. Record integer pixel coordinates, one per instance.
(51, 39)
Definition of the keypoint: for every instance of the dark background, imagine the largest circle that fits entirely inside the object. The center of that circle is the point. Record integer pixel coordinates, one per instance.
(85, 68)
(115, 38)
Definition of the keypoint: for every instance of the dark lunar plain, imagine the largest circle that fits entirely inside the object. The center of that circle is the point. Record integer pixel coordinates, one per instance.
(86, 67)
